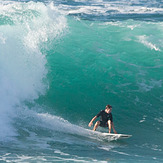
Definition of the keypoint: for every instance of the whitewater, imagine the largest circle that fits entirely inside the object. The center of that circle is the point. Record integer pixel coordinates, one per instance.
(62, 61)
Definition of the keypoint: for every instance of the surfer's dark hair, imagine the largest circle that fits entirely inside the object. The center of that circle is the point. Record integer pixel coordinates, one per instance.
(109, 106)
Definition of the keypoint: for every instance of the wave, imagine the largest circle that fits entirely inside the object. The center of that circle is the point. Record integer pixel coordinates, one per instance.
(57, 71)
(24, 29)
(103, 10)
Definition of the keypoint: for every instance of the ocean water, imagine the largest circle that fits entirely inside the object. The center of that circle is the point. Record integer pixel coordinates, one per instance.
(62, 61)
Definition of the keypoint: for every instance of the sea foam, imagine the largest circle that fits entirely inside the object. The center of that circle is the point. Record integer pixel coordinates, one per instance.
(22, 63)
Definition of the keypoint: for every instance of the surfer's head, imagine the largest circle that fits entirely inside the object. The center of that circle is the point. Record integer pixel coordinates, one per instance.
(108, 108)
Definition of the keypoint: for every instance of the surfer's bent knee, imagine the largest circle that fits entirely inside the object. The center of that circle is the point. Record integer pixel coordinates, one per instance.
(96, 125)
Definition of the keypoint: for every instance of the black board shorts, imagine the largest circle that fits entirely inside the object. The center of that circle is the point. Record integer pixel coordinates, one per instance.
(103, 124)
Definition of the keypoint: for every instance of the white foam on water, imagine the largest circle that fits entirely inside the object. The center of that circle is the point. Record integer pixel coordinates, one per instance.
(26, 158)
(111, 148)
(159, 119)
(107, 148)
(61, 153)
(22, 65)
(100, 7)
(144, 40)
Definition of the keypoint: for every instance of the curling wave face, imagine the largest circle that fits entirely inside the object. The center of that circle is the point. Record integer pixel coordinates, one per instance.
(62, 62)
(24, 28)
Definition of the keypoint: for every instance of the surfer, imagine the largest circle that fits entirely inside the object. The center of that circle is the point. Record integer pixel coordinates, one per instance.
(106, 119)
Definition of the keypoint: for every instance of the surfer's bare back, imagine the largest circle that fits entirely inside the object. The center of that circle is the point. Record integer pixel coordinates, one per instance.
(106, 119)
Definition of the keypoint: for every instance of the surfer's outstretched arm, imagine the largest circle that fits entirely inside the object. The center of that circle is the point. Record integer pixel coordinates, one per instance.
(109, 126)
(114, 128)
(91, 122)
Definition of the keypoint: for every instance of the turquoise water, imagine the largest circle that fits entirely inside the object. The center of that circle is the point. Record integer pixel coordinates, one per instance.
(62, 62)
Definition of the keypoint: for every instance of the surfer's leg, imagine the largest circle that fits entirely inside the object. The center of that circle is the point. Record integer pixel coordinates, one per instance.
(96, 125)
(109, 125)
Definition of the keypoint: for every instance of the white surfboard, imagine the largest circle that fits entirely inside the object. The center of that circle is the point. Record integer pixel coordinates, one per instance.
(106, 136)
(111, 136)
(116, 136)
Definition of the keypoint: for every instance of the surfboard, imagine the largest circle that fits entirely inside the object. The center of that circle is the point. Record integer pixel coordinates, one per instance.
(106, 136)
(116, 136)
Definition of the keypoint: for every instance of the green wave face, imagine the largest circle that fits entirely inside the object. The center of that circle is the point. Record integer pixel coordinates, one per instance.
(63, 62)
